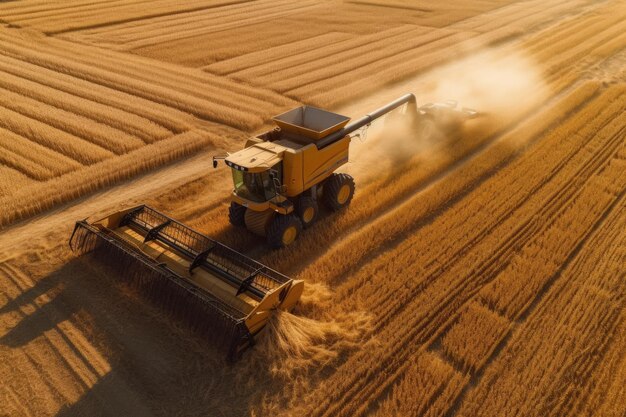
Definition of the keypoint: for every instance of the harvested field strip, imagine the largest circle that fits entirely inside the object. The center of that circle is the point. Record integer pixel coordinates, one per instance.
(27, 202)
(269, 55)
(18, 9)
(110, 70)
(172, 119)
(204, 96)
(375, 61)
(155, 31)
(563, 32)
(604, 21)
(195, 25)
(323, 52)
(574, 54)
(238, 41)
(579, 319)
(435, 5)
(393, 4)
(423, 299)
(559, 39)
(517, 14)
(41, 7)
(361, 81)
(353, 19)
(161, 73)
(102, 135)
(129, 31)
(364, 57)
(433, 13)
(89, 14)
(185, 102)
(60, 141)
(338, 89)
(131, 124)
(194, 83)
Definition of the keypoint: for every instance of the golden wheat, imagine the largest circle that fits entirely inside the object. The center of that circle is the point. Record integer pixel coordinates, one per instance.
(480, 275)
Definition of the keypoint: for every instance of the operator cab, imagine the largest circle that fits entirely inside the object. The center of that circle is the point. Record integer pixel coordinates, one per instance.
(258, 187)
(257, 172)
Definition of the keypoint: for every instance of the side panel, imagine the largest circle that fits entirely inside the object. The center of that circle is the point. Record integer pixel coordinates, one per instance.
(320, 163)
(293, 169)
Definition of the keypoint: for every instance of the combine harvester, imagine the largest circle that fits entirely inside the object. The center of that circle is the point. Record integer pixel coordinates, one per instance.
(281, 175)
(278, 177)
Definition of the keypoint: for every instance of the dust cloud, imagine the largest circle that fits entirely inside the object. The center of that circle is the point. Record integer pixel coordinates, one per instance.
(493, 82)
(498, 84)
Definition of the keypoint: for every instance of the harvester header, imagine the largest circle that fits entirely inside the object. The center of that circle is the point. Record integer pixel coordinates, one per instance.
(219, 291)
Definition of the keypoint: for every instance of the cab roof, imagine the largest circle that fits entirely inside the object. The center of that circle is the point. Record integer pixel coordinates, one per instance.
(256, 158)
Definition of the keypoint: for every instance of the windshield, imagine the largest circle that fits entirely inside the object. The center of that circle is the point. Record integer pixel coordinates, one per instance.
(254, 187)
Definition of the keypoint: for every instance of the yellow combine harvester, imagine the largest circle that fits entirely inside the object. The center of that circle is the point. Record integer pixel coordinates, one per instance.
(279, 178)
(281, 175)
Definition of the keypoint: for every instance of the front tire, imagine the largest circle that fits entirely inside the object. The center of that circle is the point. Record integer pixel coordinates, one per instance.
(308, 210)
(237, 214)
(338, 191)
(283, 230)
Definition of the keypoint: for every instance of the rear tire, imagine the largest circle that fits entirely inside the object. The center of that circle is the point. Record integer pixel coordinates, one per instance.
(237, 214)
(308, 210)
(283, 230)
(338, 191)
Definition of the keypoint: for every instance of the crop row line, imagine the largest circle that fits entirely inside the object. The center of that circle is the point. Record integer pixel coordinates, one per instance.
(489, 269)
(431, 316)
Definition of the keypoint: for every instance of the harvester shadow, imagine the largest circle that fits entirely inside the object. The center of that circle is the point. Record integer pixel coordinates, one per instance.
(44, 317)
(34, 325)
(107, 398)
(156, 365)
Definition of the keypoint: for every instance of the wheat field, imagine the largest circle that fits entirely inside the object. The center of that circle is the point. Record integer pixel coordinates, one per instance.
(480, 275)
